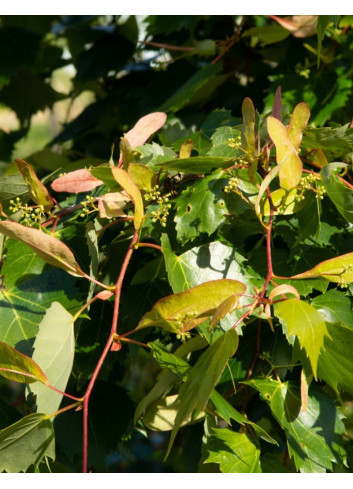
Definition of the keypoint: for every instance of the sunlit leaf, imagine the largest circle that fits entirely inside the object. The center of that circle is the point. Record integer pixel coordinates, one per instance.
(340, 194)
(76, 182)
(127, 183)
(291, 170)
(48, 248)
(18, 367)
(285, 202)
(186, 149)
(181, 312)
(234, 452)
(298, 122)
(338, 270)
(54, 349)
(301, 320)
(37, 191)
(143, 176)
(26, 442)
(145, 127)
(197, 164)
(113, 204)
(248, 128)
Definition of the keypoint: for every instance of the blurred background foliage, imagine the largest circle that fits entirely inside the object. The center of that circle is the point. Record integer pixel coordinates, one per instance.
(70, 86)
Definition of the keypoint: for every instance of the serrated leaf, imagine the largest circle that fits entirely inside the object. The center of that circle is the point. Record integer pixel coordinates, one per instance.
(49, 249)
(301, 320)
(313, 436)
(334, 306)
(54, 349)
(339, 193)
(202, 379)
(26, 442)
(181, 312)
(197, 164)
(127, 183)
(18, 367)
(37, 191)
(223, 140)
(335, 364)
(12, 186)
(234, 452)
(338, 270)
(76, 181)
(291, 168)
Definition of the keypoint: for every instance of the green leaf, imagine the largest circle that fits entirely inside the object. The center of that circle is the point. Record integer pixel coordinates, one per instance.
(298, 122)
(339, 193)
(180, 98)
(248, 128)
(223, 140)
(334, 141)
(301, 320)
(234, 452)
(197, 164)
(37, 191)
(30, 288)
(228, 412)
(127, 183)
(181, 312)
(54, 349)
(313, 436)
(202, 379)
(334, 307)
(204, 207)
(322, 22)
(143, 176)
(290, 171)
(18, 367)
(26, 442)
(12, 186)
(48, 248)
(170, 361)
(335, 364)
(284, 201)
(338, 270)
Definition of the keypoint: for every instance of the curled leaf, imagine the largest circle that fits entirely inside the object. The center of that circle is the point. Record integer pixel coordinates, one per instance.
(186, 149)
(76, 182)
(127, 183)
(18, 367)
(37, 191)
(338, 270)
(48, 248)
(283, 289)
(181, 312)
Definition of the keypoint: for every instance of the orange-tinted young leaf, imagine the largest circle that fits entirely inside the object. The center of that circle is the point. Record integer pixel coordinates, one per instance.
(145, 127)
(186, 148)
(277, 104)
(181, 312)
(127, 183)
(225, 308)
(76, 181)
(298, 25)
(37, 191)
(48, 248)
(338, 270)
(283, 289)
(248, 128)
(298, 123)
(291, 168)
(18, 367)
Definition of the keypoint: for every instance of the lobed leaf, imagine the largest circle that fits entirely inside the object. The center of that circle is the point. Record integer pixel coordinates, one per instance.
(340, 194)
(18, 367)
(301, 320)
(48, 248)
(181, 312)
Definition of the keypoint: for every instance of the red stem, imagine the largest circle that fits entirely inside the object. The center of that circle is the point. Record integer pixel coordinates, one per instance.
(108, 344)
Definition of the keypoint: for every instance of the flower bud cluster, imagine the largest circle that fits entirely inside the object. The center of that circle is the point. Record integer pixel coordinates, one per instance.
(162, 212)
(88, 206)
(30, 215)
(234, 143)
(232, 185)
(310, 182)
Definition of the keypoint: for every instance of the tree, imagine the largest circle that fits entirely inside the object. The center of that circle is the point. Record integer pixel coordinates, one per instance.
(177, 260)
